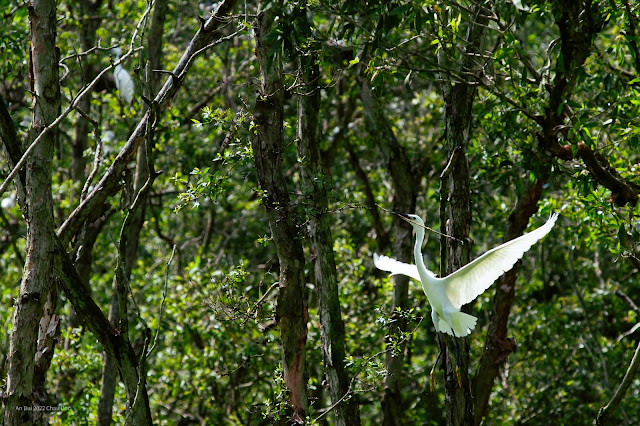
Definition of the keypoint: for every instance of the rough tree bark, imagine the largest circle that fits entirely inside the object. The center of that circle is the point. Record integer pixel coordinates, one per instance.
(267, 144)
(49, 323)
(135, 217)
(38, 273)
(456, 195)
(455, 214)
(324, 267)
(90, 22)
(93, 206)
(406, 182)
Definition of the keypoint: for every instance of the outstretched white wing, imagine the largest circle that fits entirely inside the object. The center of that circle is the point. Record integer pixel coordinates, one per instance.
(473, 279)
(396, 267)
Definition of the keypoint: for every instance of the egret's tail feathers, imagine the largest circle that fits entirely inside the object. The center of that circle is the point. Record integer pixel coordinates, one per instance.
(443, 327)
(461, 324)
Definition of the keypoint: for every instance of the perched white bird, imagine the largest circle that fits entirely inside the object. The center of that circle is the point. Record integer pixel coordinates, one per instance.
(124, 82)
(8, 202)
(446, 295)
(107, 141)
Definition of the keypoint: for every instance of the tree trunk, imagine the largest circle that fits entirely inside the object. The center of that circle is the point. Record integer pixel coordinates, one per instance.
(315, 183)
(38, 276)
(497, 345)
(458, 400)
(136, 218)
(455, 194)
(76, 290)
(114, 342)
(87, 34)
(406, 181)
(267, 144)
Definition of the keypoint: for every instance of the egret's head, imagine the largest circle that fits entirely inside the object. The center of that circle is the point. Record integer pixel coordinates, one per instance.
(413, 219)
(117, 52)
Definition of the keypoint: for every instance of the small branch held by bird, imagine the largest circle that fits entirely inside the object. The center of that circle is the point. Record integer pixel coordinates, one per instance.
(425, 227)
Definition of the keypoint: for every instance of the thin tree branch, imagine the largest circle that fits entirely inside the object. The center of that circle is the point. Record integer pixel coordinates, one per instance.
(108, 184)
(57, 121)
(605, 415)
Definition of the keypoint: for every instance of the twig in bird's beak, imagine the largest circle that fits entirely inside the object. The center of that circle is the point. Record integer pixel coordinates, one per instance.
(406, 218)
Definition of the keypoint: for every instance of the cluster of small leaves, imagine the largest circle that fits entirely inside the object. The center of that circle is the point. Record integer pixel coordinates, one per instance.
(218, 351)
(76, 374)
(210, 183)
(274, 409)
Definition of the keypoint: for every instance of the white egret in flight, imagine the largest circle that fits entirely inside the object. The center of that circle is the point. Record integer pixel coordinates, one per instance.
(124, 82)
(446, 295)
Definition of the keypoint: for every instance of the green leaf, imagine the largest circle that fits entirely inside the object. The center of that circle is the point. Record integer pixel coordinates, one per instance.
(401, 9)
(622, 235)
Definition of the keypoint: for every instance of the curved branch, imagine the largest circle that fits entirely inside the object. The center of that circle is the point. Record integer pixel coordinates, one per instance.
(622, 191)
(605, 414)
(109, 183)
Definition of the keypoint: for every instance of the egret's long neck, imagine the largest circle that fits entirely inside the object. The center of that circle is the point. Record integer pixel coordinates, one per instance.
(417, 251)
(426, 277)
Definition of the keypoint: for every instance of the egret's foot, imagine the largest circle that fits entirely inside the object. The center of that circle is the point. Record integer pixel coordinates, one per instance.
(459, 376)
(433, 379)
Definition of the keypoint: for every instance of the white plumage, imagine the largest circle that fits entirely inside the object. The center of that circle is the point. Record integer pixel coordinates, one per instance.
(124, 82)
(8, 202)
(446, 295)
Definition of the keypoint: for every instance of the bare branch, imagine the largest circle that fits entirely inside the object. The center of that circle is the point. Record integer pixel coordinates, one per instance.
(605, 415)
(108, 184)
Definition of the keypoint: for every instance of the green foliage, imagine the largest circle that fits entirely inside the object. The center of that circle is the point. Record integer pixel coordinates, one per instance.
(76, 375)
(217, 359)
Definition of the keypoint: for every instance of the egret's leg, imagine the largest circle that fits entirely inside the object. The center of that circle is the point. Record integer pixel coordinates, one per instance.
(455, 339)
(458, 375)
(433, 369)
(447, 315)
